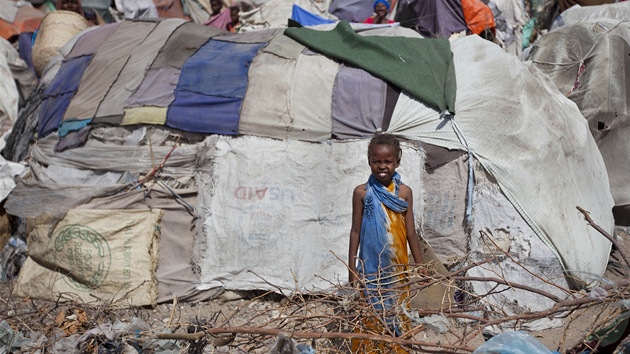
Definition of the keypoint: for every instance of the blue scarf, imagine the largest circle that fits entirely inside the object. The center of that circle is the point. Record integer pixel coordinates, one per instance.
(374, 251)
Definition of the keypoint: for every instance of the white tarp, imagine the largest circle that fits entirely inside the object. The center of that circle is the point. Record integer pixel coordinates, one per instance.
(533, 140)
(277, 211)
(576, 13)
(589, 63)
(530, 261)
(276, 13)
(8, 115)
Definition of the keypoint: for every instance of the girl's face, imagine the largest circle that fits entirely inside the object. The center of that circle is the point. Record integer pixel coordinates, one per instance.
(383, 163)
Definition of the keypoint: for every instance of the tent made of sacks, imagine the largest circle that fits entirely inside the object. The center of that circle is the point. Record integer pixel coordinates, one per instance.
(259, 139)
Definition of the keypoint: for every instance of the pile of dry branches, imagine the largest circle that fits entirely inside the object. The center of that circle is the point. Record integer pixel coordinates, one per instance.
(328, 322)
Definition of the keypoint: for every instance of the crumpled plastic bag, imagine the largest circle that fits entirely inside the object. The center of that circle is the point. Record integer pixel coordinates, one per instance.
(518, 342)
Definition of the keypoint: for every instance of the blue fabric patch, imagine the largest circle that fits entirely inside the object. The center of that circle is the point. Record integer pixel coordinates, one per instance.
(69, 76)
(218, 69)
(306, 18)
(51, 113)
(204, 114)
(71, 125)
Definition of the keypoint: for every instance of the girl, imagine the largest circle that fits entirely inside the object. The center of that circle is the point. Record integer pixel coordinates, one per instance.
(382, 226)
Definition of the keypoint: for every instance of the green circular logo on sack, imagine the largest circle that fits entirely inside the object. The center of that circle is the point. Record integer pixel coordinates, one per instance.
(84, 254)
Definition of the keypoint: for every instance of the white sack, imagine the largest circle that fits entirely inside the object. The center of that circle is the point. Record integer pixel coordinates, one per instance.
(278, 210)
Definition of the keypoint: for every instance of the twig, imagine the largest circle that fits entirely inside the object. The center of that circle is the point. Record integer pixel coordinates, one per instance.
(604, 233)
(183, 336)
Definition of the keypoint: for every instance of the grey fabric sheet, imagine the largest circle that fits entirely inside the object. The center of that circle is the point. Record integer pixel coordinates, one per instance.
(133, 72)
(157, 88)
(105, 67)
(31, 199)
(261, 36)
(352, 10)
(174, 273)
(182, 43)
(358, 103)
(89, 42)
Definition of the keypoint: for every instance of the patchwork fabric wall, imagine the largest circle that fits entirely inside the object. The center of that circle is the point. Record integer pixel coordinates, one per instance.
(200, 79)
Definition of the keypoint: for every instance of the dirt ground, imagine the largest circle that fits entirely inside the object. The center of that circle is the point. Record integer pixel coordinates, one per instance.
(258, 319)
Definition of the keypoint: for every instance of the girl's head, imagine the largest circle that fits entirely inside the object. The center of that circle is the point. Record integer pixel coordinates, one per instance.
(384, 154)
(385, 139)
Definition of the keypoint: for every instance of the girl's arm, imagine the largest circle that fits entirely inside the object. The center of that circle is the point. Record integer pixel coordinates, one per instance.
(410, 225)
(355, 231)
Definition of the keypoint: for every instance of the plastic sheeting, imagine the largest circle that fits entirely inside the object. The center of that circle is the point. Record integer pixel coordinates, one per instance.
(576, 14)
(506, 233)
(522, 131)
(306, 18)
(8, 90)
(275, 216)
(590, 63)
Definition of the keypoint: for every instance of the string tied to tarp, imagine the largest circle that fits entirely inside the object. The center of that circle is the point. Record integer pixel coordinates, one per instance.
(448, 116)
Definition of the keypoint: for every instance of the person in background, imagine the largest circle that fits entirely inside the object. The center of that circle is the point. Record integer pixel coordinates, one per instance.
(70, 5)
(381, 9)
(218, 19)
(216, 6)
(234, 25)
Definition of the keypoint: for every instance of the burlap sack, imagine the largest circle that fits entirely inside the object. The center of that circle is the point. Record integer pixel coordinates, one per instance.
(89, 255)
(56, 29)
(437, 296)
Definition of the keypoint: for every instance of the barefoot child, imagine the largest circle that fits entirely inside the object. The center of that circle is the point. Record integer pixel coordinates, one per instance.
(382, 226)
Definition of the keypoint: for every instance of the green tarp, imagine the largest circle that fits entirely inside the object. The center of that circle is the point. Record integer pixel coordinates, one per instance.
(421, 67)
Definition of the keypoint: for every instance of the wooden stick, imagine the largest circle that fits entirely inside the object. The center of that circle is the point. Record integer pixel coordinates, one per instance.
(603, 232)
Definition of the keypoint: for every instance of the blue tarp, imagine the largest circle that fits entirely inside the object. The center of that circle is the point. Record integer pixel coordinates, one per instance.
(59, 92)
(68, 78)
(211, 88)
(71, 125)
(218, 69)
(204, 114)
(306, 18)
(51, 113)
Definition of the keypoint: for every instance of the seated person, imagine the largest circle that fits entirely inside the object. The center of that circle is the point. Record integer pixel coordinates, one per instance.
(381, 9)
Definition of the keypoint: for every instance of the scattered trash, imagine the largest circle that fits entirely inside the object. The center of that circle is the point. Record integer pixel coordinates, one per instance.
(513, 343)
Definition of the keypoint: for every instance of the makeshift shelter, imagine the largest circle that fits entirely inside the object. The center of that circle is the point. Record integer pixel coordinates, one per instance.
(588, 62)
(276, 13)
(510, 17)
(442, 18)
(18, 18)
(576, 14)
(268, 133)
